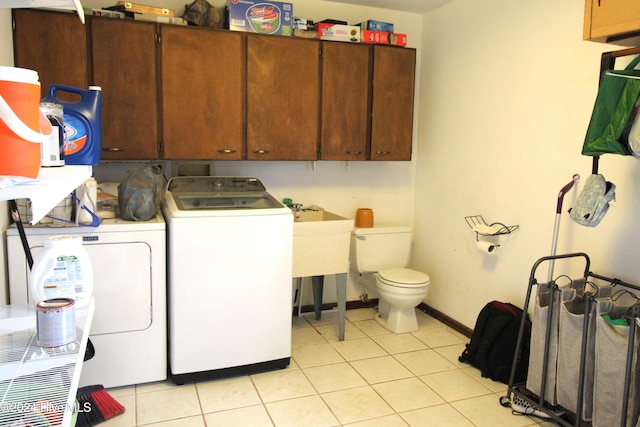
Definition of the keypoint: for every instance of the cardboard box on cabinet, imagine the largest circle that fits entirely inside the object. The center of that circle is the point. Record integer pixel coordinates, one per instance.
(338, 32)
(379, 37)
(372, 25)
(103, 12)
(261, 17)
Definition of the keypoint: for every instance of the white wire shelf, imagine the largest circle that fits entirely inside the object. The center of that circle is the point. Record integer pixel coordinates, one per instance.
(48, 189)
(38, 385)
(480, 226)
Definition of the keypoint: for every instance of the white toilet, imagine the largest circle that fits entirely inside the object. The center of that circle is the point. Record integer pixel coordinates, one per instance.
(385, 252)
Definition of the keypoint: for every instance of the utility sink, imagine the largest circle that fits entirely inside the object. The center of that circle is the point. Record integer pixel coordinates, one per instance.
(321, 247)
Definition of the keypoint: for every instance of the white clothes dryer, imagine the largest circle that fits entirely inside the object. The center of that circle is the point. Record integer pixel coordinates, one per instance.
(129, 323)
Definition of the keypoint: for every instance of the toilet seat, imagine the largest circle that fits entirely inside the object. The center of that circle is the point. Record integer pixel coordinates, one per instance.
(403, 278)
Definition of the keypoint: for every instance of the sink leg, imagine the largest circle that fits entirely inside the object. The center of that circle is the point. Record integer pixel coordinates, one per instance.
(341, 288)
(318, 287)
(299, 294)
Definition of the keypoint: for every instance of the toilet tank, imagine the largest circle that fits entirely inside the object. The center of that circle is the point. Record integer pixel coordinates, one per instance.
(378, 248)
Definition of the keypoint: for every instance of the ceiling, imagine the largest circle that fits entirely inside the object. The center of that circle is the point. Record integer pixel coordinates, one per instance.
(416, 6)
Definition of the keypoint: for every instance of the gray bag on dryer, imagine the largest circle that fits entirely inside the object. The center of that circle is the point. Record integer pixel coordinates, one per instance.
(593, 202)
(140, 193)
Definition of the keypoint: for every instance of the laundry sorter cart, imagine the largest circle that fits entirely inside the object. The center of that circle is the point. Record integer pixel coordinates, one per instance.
(584, 368)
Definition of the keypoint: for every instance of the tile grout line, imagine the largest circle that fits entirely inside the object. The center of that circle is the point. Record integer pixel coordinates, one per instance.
(413, 375)
(329, 339)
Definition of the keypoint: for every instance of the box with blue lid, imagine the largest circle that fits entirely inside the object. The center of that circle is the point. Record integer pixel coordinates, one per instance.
(372, 25)
(269, 17)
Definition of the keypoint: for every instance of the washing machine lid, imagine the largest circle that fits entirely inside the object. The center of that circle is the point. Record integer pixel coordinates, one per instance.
(403, 276)
(220, 193)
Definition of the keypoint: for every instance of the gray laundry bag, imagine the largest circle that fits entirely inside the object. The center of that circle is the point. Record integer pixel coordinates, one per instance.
(541, 314)
(571, 328)
(609, 373)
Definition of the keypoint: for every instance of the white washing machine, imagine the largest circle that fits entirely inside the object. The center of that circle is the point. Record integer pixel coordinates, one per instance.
(229, 269)
(129, 324)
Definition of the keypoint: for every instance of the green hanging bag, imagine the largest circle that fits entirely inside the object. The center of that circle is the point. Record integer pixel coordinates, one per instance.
(614, 112)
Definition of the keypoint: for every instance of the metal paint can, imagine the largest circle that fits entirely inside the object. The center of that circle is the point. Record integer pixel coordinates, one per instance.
(55, 322)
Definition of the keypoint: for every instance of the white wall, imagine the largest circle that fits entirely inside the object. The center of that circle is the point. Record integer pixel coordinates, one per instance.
(507, 90)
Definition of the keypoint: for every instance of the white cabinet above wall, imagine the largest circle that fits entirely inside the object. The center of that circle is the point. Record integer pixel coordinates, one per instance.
(52, 4)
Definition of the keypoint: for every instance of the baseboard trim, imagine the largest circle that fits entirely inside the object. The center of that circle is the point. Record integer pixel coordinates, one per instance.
(351, 305)
(438, 315)
(452, 323)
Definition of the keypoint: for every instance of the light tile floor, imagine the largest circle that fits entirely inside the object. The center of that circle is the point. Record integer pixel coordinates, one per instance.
(373, 378)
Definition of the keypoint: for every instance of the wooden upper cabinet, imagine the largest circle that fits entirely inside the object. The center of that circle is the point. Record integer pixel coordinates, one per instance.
(392, 104)
(344, 131)
(185, 93)
(54, 44)
(611, 20)
(124, 65)
(283, 88)
(203, 77)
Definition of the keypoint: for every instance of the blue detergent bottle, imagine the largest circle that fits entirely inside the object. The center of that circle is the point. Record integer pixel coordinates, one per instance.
(82, 123)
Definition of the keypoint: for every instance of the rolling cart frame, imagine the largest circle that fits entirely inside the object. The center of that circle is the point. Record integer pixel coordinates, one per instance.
(539, 404)
(607, 61)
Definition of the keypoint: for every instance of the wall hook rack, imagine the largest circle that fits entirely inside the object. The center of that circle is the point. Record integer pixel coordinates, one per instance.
(481, 228)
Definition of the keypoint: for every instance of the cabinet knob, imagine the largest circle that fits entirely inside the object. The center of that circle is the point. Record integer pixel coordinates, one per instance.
(383, 153)
(354, 152)
(112, 149)
(227, 151)
(261, 151)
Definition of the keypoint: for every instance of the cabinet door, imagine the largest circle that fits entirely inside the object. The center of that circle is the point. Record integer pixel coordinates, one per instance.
(392, 105)
(611, 19)
(124, 65)
(283, 89)
(52, 43)
(345, 110)
(202, 93)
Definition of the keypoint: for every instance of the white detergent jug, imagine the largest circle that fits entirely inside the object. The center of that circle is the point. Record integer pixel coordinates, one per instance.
(62, 270)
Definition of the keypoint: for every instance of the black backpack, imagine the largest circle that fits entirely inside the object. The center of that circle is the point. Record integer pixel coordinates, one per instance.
(493, 343)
